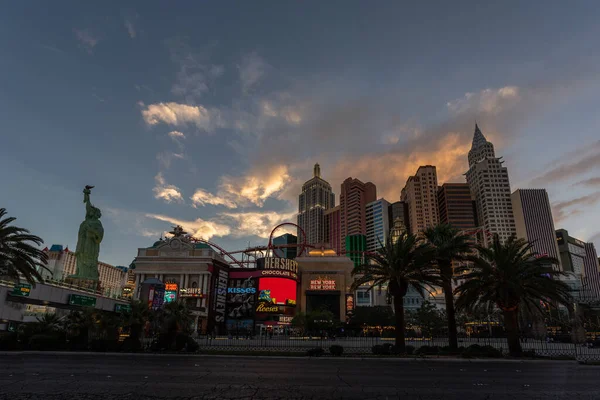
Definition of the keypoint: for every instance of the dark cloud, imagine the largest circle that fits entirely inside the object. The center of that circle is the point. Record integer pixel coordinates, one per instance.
(568, 170)
(593, 182)
(564, 209)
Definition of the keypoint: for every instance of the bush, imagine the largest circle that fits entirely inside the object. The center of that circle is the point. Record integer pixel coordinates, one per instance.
(45, 342)
(476, 350)
(104, 345)
(427, 350)
(410, 350)
(131, 345)
(316, 352)
(377, 350)
(336, 350)
(192, 345)
(529, 353)
(8, 341)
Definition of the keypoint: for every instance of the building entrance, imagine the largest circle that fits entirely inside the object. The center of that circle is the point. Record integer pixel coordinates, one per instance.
(321, 300)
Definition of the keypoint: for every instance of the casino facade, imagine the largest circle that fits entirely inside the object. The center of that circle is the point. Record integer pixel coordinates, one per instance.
(227, 298)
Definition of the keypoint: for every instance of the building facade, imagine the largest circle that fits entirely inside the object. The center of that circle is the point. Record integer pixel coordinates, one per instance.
(399, 211)
(572, 253)
(354, 196)
(420, 194)
(456, 207)
(62, 262)
(333, 229)
(315, 199)
(490, 188)
(591, 278)
(178, 268)
(377, 224)
(533, 221)
(355, 246)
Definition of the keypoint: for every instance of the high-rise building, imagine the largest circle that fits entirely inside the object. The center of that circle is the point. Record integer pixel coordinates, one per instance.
(354, 196)
(315, 199)
(456, 207)
(332, 229)
(533, 220)
(378, 223)
(572, 253)
(62, 262)
(286, 252)
(355, 246)
(399, 210)
(420, 193)
(591, 279)
(490, 188)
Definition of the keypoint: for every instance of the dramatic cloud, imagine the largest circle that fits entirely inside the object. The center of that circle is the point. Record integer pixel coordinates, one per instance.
(198, 228)
(252, 69)
(490, 101)
(180, 115)
(87, 40)
(258, 223)
(562, 210)
(176, 135)
(251, 189)
(166, 192)
(569, 169)
(593, 182)
(202, 198)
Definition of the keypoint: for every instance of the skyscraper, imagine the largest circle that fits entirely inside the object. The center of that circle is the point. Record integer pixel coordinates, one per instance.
(572, 253)
(378, 223)
(533, 220)
(456, 207)
(354, 196)
(316, 197)
(398, 210)
(420, 193)
(489, 185)
(332, 229)
(591, 279)
(356, 245)
(288, 252)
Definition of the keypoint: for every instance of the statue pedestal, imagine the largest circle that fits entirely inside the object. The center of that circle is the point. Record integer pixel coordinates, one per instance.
(83, 283)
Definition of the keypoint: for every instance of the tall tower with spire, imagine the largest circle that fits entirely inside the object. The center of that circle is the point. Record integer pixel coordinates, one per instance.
(490, 188)
(315, 199)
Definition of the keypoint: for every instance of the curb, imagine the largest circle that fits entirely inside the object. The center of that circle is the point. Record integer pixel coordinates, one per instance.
(325, 358)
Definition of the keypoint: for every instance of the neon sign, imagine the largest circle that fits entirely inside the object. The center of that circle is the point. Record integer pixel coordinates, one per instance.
(267, 308)
(236, 290)
(322, 284)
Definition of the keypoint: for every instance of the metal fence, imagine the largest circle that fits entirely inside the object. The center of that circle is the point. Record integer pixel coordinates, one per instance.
(364, 345)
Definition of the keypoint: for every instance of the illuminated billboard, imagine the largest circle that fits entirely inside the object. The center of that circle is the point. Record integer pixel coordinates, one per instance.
(279, 291)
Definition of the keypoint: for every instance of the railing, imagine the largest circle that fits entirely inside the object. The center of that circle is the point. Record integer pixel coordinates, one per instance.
(364, 345)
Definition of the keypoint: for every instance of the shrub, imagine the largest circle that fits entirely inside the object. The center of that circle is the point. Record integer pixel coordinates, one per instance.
(377, 350)
(336, 350)
(316, 352)
(103, 345)
(529, 353)
(8, 341)
(131, 345)
(45, 342)
(476, 350)
(192, 345)
(427, 350)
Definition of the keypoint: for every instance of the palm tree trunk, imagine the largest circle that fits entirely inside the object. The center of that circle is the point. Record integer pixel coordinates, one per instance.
(399, 311)
(511, 324)
(451, 315)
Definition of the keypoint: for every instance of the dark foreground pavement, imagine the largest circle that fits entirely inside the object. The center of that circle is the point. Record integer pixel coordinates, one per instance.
(124, 377)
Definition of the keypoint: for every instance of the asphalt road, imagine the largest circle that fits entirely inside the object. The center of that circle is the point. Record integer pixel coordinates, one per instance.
(124, 377)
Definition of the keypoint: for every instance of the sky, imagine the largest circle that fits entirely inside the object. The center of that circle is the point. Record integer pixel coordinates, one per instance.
(212, 114)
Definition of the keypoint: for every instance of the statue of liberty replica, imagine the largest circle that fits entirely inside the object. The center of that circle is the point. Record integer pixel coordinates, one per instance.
(90, 235)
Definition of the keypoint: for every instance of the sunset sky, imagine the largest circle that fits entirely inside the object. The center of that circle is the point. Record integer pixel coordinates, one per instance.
(212, 114)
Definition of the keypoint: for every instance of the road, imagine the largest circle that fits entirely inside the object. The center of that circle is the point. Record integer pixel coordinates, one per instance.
(124, 377)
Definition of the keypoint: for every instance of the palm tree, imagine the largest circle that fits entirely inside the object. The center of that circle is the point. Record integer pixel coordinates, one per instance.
(48, 323)
(404, 261)
(450, 245)
(18, 257)
(510, 276)
(135, 318)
